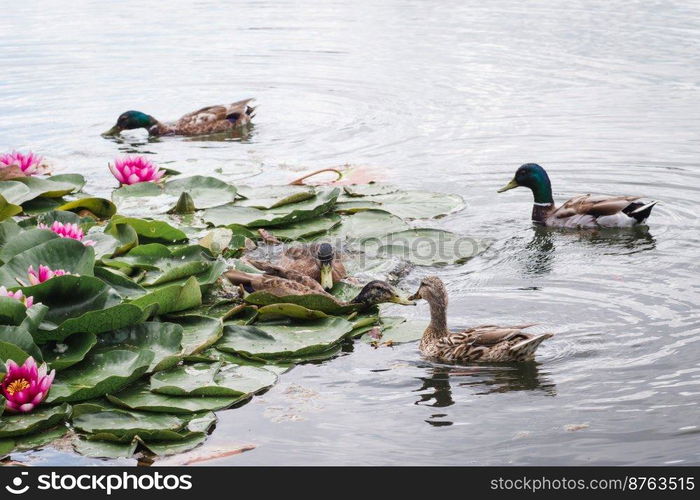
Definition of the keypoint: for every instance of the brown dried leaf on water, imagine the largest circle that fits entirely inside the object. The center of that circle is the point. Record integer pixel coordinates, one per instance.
(206, 453)
(576, 427)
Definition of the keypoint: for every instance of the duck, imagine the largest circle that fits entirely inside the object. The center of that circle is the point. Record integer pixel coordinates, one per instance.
(294, 283)
(318, 261)
(485, 343)
(583, 211)
(209, 120)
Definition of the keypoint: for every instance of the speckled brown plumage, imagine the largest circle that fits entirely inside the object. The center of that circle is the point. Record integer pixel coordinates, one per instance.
(481, 343)
(209, 120)
(303, 259)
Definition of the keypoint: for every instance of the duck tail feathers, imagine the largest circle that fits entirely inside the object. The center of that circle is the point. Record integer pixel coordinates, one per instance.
(639, 211)
(525, 350)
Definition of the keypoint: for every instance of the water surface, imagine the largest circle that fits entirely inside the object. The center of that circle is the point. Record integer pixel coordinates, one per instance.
(449, 96)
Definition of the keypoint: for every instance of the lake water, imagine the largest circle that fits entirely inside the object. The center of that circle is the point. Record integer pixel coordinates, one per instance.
(449, 96)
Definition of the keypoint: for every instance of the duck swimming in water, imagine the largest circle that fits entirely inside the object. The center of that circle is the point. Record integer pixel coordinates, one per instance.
(205, 121)
(488, 343)
(583, 211)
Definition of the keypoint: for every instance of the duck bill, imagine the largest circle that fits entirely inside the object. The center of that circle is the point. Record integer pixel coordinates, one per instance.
(415, 296)
(113, 131)
(511, 185)
(326, 276)
(397, 299)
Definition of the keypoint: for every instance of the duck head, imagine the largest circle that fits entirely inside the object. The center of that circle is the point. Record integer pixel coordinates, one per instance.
(131, 120)
(531, 175)
(325, 256)
(432, 290)
(377, 292)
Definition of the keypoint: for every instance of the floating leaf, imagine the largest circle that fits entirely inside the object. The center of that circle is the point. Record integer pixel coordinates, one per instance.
(62, 355)
(199, 332)
(173, 298)
(212, 379)
(315, 302)
(167, 448)
(102, 372)
(289, 311)
(102, 208)
(406, 204)
(426, 247)
(151, 230)
(286, 214)
(306, 228)
(399, 332)
(60, 253)
(163, 339)
(27, 423)
(266, 197)
(365, 225)
(271, 341)
(139, 397)
(104, 449)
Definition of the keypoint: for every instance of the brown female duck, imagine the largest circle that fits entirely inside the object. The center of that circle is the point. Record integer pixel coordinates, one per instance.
(489, 343)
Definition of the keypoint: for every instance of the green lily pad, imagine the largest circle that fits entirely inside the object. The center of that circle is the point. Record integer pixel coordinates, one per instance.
(33, 441)
(24, 241)
(206, 192)
(120, 283)
(163, 339)
(272, 341)
(13, 352)
(104, 449)
(27, 423)
(49, 187)
(266, 313)
(405, 204)
(72, 350)
(266, 197)
(199, 332)
(104, 209)
(364, 225)
(307, 228)
(124, 426)
(212, 379)
(279, 216)
(139, 397)
(426, 247)
(173, 298)
(102, 372)
(149, 231)
(60, 253)
(8, 209)
(315, 302)
(167, 448)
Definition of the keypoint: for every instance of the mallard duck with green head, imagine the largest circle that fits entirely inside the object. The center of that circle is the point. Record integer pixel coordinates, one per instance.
(205, 121)
(583, 211)
(488, 343)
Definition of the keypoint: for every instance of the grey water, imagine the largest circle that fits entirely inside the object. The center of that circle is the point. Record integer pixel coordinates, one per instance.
(448, 96)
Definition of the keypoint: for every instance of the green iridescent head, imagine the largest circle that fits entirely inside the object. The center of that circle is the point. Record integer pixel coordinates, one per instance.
(131, 120)
(532, 176)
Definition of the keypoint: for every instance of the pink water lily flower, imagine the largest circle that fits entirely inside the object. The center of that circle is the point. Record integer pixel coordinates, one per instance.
(25, 163)
(26, 386)
(45, 273)
(27, 301)
(67, 230)
(135, 169)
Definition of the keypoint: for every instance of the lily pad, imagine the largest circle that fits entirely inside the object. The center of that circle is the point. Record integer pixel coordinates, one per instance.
(426, 247)
(139, 397)
(173, 298)
(279, 216)
(8, 209)
(62, 355)
(273, 341)
(24, 241)
(151, 230)
(167, 448)
(100, 207)
(124, 426)
(60, 253)
(405, 204)
(289, 311)
(163, 339)
(364, 225)
(102, 372)
(266, 197)
(307, 228)
(104, 449)
(212, 379)
(199, 332)
(315, 302)
(27, 423)
(206, 192)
